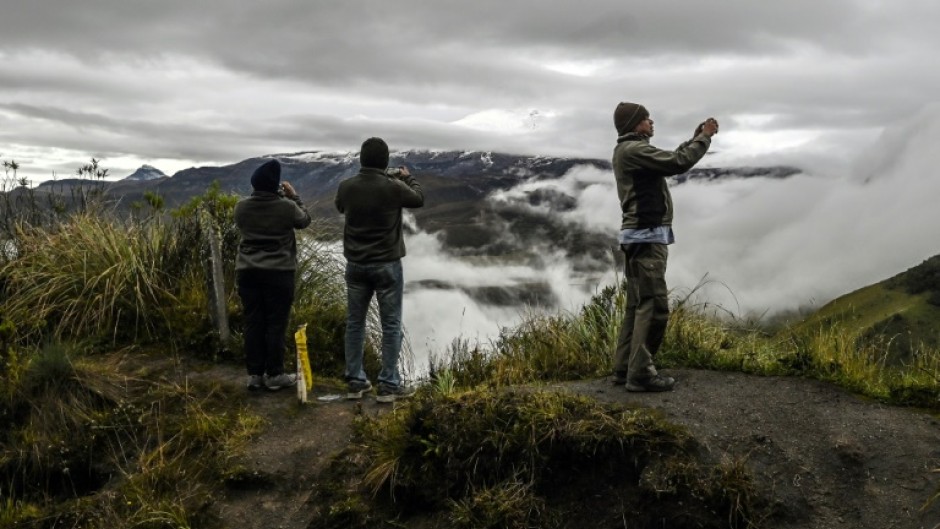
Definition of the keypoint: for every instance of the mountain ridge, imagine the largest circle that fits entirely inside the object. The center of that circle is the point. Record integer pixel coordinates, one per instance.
(308, 166)
(457, 185)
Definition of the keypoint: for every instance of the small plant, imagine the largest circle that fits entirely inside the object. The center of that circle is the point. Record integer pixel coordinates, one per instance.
(15, 513)
(511, 504)
(444, 382)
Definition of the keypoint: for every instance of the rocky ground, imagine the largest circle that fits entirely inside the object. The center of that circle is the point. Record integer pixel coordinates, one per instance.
(827, 458)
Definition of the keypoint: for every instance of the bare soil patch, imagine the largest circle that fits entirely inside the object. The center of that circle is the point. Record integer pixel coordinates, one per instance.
(828, 458)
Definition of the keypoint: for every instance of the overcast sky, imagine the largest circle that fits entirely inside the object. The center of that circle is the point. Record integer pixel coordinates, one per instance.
(178, 83)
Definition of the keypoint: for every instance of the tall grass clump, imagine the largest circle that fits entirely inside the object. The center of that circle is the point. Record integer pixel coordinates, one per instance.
(95, 277)
(542, 347)
(77, 269)
(87, 444)
(700, 339)
(493, 458)
(834, 353)
(320, 303)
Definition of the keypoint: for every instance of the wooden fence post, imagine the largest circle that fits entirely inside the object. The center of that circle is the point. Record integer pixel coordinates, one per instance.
(218, 308)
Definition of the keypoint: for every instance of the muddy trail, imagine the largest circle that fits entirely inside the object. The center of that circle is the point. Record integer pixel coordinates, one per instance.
(826, 458)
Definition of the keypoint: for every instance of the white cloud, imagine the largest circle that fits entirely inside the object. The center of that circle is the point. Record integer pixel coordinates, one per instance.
(434, 316)
(506, 121)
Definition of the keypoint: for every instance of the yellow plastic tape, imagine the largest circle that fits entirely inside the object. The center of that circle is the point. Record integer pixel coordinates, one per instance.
(303, 359)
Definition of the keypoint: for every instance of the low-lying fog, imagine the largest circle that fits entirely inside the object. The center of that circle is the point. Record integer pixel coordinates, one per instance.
(766, 245)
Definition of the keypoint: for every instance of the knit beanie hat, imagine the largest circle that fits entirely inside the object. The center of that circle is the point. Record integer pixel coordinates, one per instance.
(267, 177)
(628, 115)
(374, 153)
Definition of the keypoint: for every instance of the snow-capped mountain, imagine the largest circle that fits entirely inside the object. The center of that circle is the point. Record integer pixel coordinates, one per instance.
(146, 172)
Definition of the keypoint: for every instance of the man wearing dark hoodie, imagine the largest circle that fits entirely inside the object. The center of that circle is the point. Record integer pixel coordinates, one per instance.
(373, 244)
(265, 268)
(645, 232)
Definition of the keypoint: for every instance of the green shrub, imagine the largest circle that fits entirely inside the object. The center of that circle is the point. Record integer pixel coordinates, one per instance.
(924, 277)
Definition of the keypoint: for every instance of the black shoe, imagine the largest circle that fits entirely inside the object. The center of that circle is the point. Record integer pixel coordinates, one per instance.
(389, 393)
(619, 378)
(654, 383)
(355, 389)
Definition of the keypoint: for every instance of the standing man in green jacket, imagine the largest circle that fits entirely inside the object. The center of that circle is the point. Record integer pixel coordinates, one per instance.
(645, 232)
(373, 244)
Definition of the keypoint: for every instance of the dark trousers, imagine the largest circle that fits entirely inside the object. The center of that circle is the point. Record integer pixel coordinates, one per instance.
(266, 296)
(644, 322)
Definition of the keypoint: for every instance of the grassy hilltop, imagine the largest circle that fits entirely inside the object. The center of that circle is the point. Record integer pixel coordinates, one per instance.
(903, 311)
(99, 316)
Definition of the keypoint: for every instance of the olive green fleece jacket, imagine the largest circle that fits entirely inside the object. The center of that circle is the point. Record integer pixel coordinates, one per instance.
(372, 203)
(266, 222)
(641, 172)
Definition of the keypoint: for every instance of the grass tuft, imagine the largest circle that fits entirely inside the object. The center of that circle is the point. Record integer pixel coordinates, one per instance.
(91, 277)
(88, 444)
(494, 458)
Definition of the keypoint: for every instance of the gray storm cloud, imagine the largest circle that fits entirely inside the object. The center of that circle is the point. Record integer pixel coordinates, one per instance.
(177, 84)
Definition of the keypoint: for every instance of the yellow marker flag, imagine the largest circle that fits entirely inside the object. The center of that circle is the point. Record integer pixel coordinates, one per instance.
(304, 373)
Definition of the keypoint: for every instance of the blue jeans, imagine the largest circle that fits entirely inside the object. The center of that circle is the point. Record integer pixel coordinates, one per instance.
(386, 282)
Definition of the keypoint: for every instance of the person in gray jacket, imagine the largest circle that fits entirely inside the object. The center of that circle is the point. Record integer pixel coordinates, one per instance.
(265, 268)
(645, 232)
(373, 244)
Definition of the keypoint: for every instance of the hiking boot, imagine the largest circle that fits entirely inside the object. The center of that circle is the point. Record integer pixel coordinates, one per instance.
(619, 378)
(276, 382)
(355, 389)
(255, 382)
(389, 393)
(653, 383)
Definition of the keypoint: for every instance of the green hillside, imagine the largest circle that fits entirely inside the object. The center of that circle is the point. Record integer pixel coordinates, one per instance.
(902, 312)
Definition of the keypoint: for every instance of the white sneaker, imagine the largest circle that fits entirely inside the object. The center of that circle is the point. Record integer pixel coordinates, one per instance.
(277, 382)
(255, 382)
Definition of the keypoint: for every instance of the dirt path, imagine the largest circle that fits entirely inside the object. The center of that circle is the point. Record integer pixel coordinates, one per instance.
(831, 459)
(284, 460)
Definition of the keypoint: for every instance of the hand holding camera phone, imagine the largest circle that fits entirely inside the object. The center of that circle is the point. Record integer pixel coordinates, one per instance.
(286, 190)
(397, 172)
(709, 127)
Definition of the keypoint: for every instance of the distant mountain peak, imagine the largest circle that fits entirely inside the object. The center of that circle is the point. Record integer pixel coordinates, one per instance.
(146, 172)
